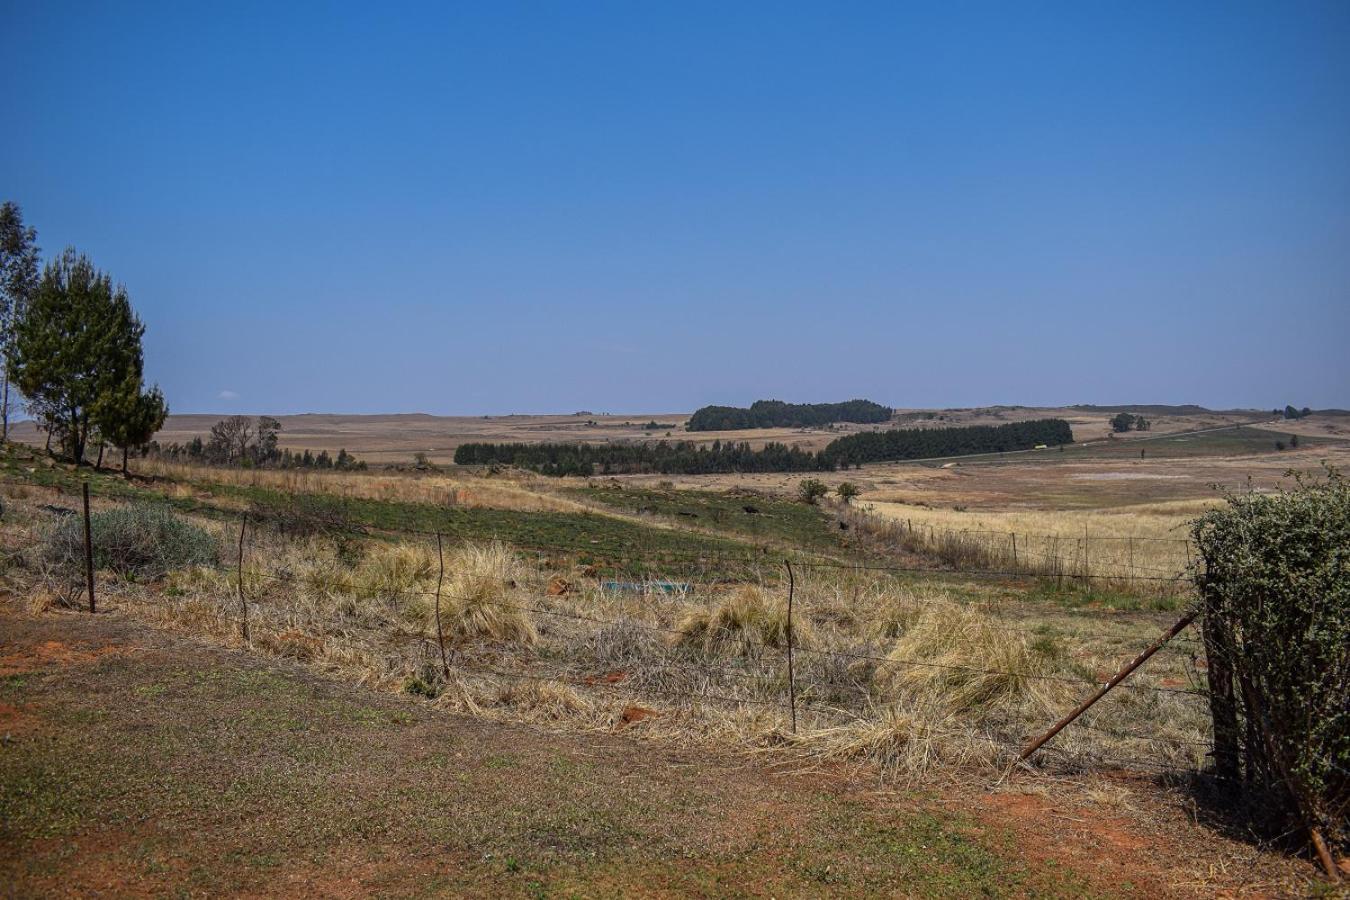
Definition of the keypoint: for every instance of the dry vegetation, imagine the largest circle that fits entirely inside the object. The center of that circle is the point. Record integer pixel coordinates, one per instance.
(921, 678)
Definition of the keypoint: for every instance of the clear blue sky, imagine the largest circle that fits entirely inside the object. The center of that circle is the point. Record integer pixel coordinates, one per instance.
(492, 207)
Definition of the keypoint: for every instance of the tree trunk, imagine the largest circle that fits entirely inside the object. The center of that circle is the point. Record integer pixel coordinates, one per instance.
(1222, 699)
(99, 464)
(124, 462)
(4, 403)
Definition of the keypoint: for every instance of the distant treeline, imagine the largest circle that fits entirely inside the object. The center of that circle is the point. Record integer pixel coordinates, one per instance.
(777, 414)
(926, 443)
(664, 457)
(687, 458)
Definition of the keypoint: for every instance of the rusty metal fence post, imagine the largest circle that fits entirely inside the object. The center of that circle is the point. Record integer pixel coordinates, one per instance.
(239, 584)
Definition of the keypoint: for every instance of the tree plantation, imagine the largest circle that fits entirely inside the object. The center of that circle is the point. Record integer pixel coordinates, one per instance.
(777, 414)
(687, 458)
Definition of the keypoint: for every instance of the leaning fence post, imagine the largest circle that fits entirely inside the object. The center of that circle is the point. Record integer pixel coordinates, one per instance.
(792, 681)
(239, 584)
(88, 549)
(1116, 679)
(440, 633)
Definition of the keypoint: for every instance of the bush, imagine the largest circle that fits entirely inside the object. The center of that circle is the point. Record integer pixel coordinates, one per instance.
(809, 490)
(144, 542)
(1276, 593)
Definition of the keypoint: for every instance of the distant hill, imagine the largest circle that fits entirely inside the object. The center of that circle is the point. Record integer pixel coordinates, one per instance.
(1154, 409)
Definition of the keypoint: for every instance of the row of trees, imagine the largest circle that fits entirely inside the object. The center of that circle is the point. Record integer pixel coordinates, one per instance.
(72, 348)
(688, 458)
(664, 457)
(777, 414)
(242, 441)
(926, 443)
(1123, 422)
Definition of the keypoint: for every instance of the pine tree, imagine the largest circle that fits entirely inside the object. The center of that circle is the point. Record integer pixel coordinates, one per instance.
(77, 349)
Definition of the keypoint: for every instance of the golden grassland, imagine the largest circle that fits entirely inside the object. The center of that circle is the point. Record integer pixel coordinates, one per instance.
(518, 491)
(395, 438)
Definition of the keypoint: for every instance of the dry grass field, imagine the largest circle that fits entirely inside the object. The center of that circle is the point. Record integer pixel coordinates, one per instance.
(928, 645)
(393, 439)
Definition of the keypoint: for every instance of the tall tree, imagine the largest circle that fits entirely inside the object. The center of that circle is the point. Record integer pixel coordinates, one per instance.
(77, 349)
(18, 280)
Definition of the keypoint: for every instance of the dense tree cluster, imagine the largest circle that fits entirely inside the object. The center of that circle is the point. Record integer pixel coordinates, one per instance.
(664, 457)
(1291, 413)
(1123, 422)
(242, 441)
(777, 414)
(688, 458)
(925, 443)
(72, 347)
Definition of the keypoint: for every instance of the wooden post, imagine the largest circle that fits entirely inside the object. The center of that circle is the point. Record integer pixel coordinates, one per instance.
(239, 584)
(88, 548)
(1115, 680)
(792, 681)
(440, 633)
(1013, 535)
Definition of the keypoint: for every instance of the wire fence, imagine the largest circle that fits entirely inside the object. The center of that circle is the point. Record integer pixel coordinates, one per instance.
(835, 685)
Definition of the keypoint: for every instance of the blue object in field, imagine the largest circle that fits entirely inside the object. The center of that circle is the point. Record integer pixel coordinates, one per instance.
(642, 587)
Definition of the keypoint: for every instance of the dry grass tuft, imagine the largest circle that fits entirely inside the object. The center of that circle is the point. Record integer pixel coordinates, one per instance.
(907, 740)
(969, 656)
(480, 600)
(548, 700)
(747, 618)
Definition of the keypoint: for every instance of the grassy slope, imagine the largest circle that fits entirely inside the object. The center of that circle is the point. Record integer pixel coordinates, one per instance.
(606, 536)
(777, 520)
(163, 767)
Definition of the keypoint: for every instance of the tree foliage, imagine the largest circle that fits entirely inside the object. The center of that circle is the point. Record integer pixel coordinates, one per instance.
(777, 414)
(77, 350)
(925, 443)
(18, 281)
(689, 458)
(1276, 593)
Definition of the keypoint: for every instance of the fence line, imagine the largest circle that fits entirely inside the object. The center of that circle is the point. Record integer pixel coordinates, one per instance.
(571, 678)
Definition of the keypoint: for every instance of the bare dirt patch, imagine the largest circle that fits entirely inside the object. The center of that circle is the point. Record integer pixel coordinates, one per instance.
(49, 654)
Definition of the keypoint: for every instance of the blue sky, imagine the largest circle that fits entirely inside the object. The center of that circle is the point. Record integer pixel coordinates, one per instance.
(497, 207)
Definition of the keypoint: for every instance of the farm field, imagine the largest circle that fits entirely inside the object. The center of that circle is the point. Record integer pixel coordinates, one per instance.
(655, 609)
(394, 439)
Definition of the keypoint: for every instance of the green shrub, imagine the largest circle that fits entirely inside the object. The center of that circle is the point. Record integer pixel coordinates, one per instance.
(143, 542)
(809, 490)
(1276, 593)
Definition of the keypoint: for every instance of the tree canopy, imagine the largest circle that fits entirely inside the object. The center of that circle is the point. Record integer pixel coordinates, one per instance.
(77, 351)
(777, 414)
